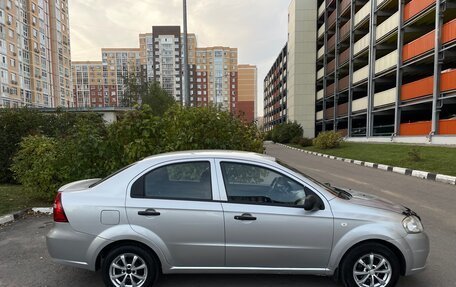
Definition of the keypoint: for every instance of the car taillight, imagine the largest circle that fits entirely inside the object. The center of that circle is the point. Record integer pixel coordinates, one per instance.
(59, 213)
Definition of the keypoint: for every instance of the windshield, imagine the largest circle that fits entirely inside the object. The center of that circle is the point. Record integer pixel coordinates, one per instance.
(111, 175)
(333, 190)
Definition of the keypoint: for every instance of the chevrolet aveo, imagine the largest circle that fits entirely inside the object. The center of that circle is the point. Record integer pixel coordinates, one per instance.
(230, 212)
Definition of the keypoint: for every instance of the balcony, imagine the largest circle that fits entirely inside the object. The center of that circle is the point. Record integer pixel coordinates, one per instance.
(386, 62)
(415, 7)
(342, 110)
(426, 42)
(362, 44)
(345, 30)
(363, 13)
(321, 31)
(331, 66)
(320, 73)
(321, 9)
(385, 98)
(388, 26)
(321, 52)
(332, 19)
(320, 94)
(344, 5)
(343, 83)
(329, 90)
(359, 105)
(344, 56)
(331, 43)
(361, 74)
(424, 87)
(329, 114)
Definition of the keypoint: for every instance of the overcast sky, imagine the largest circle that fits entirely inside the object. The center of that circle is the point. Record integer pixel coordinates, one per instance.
(258, 28)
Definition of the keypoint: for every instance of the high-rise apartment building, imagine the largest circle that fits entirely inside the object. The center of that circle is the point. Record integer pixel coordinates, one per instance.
(247, 92)
(35, 54)
(213, 77)
(275, 93)
(167, 68)
(118, 65)
(290, 84)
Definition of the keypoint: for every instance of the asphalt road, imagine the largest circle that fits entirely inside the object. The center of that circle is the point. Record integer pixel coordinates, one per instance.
(24, 260)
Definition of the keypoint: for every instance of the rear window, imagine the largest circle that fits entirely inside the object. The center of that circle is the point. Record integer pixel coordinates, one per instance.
(111, 175)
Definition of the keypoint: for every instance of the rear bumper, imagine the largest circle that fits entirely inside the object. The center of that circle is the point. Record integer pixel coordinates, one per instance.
(69, 247)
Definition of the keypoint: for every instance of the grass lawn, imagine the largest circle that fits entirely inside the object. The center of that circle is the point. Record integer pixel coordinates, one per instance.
(434, 159)
(14, 198)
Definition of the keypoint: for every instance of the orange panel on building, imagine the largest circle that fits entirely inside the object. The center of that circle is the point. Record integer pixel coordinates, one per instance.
(419, 46)
(415, 129)
(447, 127)
(449, 32)
(414, 7)
(424, 87)
(426, 42)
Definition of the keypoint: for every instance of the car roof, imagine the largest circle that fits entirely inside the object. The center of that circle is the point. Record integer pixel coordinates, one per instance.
(242, 155)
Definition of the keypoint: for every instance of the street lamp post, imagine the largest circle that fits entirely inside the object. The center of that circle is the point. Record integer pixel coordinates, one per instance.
(186, 88)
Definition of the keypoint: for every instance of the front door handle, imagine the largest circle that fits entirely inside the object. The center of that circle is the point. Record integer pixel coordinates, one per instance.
(245, 217)
(149, 212)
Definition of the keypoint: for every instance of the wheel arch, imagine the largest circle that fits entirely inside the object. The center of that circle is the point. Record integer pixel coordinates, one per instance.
(104, 252)
(385, 243)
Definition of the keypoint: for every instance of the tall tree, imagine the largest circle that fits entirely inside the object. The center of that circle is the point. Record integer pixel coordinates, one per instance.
(138, 91)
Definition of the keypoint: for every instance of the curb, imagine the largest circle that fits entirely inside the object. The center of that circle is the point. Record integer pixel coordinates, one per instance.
(15, 215)
(400, 170)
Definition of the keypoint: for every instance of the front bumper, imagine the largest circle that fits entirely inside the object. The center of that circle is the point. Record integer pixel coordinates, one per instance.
(415, 250)
(69, 247)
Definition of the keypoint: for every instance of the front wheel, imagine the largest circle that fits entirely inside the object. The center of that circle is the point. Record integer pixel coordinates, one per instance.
(129, 266)
(370, 265)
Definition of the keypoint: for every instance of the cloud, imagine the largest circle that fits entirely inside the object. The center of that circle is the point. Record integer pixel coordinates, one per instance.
(257, 28)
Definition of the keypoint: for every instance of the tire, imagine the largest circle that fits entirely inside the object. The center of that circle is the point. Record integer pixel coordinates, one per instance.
(387, 270)
(121, 263)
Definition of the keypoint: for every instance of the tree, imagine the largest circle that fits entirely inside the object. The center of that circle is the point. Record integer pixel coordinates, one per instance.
(150, 94)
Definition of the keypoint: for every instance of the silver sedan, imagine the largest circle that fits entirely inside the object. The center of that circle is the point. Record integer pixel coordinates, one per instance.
(231, 212)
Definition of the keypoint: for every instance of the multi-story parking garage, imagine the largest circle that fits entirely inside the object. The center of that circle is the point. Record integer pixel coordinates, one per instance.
(386, 67)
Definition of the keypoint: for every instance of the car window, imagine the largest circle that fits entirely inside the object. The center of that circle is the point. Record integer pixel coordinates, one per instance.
(245, 183)
(189, 180)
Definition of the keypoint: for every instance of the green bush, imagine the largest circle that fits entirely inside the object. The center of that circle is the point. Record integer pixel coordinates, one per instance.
(36, 166)
(305, 142)
(328, 140)
(286, 132)
(92, 150)
(19, 123)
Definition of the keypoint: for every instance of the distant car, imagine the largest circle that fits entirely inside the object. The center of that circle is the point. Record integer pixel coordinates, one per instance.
(230, 212)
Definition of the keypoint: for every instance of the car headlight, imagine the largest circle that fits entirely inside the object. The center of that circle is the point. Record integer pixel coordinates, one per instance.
(412, 224)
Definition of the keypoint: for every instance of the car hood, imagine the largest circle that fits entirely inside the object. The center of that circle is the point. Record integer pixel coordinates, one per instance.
(370, 200)
(78, 185)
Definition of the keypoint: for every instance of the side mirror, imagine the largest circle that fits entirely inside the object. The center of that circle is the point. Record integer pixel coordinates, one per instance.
(313, 203)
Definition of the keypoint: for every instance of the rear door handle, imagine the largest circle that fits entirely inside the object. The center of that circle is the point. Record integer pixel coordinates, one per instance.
(245, 217)
(149, 212)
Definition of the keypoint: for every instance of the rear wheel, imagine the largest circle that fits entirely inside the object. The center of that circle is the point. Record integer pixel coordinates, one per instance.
(129, 266)
(370, 265)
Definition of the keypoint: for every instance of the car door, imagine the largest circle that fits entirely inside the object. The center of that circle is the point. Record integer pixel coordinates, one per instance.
(173, 206)
(266, 225)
